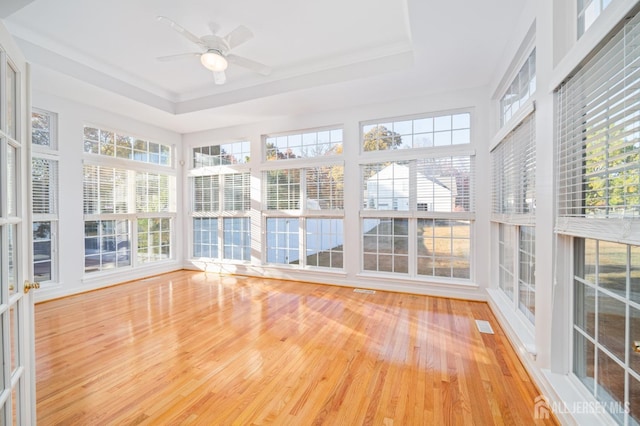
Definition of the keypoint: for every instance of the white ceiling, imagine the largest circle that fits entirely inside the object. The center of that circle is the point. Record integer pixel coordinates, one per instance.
(324, 55)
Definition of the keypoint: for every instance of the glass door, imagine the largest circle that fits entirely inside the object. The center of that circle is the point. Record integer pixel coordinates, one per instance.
(17, 390)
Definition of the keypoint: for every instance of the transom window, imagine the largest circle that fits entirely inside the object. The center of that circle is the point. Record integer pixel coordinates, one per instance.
(520, 90)
(588, 12)
(422, 132)
(223, 154)
(304, 145)
(113, 144)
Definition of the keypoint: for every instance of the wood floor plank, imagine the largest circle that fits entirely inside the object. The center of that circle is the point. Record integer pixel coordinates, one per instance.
(195, 348)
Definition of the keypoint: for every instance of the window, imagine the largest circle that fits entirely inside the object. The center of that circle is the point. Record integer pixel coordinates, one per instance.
(417, 214)
(221, 202)
(283, 189)
(205, 237)
(283, 240)
(106, 244)
(114, 144)
(44, 195)
(43, 127)
(598, 199)
(520, 89)
(304, 145)
(606, 308)
(444, 248)
(154, 239)
(599, 143)
(588, 12)
(420, 132)
(128, 211)
(237, 238)
(385, 245)
(224, 154)
(513, 167)
(304, 205)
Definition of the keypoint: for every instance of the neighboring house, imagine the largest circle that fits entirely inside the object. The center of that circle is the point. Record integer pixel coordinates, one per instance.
(389, 190)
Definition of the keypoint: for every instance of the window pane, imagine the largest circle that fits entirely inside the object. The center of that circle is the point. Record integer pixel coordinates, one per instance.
(506, 266)
(585, 308)
(634, 337)
(444, 184)
(44, 176)
(237, 238)
(12, 176)
(282, 189)
(283, 240)
(610, 389)
(519, 90)
(11, 100)
(634, 272)
(154, 239)
(324, 242)
(612, 267)
(634, 399)
(443, 248)
(205, 237)
(41, 129)
(325, 188)
(385, 245)
(42, 251)
(584, 360)
(386, 186)
(206, 196)
(611, 324)
(237, 192)
(111, 248)
(527, 271)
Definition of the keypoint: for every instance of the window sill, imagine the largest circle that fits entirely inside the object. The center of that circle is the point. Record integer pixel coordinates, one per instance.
(428, 281)
(524, 331)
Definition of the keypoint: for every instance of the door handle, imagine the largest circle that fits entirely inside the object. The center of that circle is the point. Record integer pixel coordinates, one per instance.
(28, 285)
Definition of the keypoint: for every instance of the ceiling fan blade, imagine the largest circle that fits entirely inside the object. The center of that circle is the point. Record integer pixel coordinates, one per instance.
(177, 57)
(188, 35)
(249, 64)
(238, 36)
(219, 77)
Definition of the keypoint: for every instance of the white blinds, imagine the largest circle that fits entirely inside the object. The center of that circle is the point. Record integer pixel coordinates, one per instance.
(153, 193)
(206, 194)
(598, 141)
(237, 195)
(513, 170)
(325, 188)
(44, 175)
(106, 190)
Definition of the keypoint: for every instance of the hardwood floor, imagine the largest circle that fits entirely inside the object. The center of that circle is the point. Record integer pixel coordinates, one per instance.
(190, 348)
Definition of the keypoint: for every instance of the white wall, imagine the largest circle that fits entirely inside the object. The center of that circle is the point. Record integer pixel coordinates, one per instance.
(72, 116)
(350, 119)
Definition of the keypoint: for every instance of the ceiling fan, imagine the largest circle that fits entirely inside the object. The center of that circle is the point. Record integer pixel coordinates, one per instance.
(215, 50)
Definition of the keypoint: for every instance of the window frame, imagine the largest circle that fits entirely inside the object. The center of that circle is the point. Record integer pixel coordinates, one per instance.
(413, 214)
(131, 211)
(49, 153)
(305, 209)
(218, 175)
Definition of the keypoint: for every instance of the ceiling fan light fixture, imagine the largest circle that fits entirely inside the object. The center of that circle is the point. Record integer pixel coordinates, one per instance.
(213, 60)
